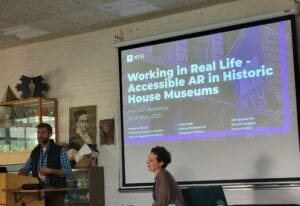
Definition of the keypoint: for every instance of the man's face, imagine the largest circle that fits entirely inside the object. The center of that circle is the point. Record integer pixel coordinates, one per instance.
(106, 127)
(43, 135)
(82, 123)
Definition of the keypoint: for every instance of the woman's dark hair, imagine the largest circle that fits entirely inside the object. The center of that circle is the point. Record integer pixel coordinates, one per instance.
(162, 154)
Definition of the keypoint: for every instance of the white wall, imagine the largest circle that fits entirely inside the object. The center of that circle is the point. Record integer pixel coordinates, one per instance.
(83, 70)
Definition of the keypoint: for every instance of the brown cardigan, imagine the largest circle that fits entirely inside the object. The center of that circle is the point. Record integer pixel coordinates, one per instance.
(166, 190)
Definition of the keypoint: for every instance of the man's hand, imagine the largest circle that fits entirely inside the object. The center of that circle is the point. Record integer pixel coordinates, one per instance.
(42, 178)
(22, 172)
(45, 170)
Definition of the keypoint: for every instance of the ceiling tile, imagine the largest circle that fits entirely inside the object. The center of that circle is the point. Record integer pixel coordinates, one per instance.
(220, 1)
(23, 32)
(69, 17)
(122, 4)
(55, 24)
(34, 5)
(61, 7)
(129, 8)
(174, 4)
(89, 17)
(95, 3)
(14, 13)
(5, 24)
(138, 10)
(53, 7)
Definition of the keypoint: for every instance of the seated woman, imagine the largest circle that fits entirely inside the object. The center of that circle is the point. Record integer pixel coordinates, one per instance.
(166, 191)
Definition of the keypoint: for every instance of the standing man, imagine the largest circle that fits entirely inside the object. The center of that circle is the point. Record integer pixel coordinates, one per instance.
(50, 163)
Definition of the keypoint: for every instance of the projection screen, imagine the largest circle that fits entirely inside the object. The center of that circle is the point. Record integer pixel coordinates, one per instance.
(223, 102)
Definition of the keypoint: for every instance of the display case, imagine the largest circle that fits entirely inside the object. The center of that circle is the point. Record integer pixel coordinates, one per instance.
(18, 121)
(86, 187)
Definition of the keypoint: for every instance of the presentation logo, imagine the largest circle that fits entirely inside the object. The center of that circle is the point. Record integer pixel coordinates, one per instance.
(130, 58)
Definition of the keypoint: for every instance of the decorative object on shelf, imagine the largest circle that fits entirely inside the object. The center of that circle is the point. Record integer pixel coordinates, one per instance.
(32, 86)
(107, 131)
(77, 160)
(9, 95)
(84, 157)
(94, 161)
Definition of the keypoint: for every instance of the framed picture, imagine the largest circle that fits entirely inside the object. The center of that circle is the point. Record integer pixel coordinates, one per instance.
(83, 126)
(107, 131)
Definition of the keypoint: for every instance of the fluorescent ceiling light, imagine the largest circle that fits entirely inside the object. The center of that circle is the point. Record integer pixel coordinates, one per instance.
(23, 32)
(127, 8)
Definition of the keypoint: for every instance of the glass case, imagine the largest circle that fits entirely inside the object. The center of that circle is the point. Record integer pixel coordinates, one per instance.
(18, 121)
(78, 186)
(86, 187)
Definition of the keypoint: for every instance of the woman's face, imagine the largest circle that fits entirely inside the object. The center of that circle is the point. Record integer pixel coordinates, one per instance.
(152, 163)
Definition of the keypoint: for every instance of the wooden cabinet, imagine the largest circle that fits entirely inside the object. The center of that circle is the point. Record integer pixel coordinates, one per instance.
(18, 121)
(86, 187)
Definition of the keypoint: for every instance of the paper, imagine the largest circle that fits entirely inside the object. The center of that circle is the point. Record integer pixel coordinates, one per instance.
(85, 150)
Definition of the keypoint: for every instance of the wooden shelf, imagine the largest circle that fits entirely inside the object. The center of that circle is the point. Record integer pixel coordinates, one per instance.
(26, 101)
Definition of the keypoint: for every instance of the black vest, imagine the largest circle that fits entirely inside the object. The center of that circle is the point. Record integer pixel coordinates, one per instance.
(53, 162)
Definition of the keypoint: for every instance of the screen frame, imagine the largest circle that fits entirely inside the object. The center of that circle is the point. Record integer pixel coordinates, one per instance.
(291, 17)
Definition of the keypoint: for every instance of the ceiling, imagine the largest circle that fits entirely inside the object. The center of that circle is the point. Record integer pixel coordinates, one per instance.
(27, 21)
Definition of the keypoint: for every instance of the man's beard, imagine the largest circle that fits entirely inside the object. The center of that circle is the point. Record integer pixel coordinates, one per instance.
(45, 141)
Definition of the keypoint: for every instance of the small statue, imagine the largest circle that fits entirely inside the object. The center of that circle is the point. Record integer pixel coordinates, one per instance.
(32, 86)
(9, 95)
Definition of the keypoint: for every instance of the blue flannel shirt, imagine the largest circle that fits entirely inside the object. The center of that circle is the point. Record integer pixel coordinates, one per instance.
(42, 162)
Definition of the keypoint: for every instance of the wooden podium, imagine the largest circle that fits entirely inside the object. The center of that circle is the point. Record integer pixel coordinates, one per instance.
(9, 194)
